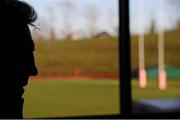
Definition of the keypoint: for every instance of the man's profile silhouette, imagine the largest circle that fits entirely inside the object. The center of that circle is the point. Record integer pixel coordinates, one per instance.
(16, 55)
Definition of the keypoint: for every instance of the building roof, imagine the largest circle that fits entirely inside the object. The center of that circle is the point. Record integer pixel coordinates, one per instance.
(101, 34)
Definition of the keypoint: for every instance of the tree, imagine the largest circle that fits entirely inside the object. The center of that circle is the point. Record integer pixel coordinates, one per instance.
(68, 9)
(113, 21)
(52, 20)
(152, 26)
(175, 9)
(91, 15)
(178, 25)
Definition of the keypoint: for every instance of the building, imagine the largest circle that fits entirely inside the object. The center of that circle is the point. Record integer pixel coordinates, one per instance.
(72, 37)
(103, 35)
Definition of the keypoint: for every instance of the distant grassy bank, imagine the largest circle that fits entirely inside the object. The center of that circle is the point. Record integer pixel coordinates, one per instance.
(171, 45)
(100, 55)
(83, 56)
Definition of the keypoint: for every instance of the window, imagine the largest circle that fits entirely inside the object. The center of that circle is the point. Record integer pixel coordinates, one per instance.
(77, 57)
(155, 49)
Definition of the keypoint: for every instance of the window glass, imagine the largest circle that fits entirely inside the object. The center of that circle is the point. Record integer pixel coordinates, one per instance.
(77, 57)
(155, 49)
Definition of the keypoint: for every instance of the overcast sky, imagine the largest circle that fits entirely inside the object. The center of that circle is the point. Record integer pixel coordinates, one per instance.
(151, 11)
(105, 9)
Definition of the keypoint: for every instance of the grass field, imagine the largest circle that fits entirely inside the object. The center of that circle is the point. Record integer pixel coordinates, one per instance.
(80, 97)
(152, 92)
(53, 98)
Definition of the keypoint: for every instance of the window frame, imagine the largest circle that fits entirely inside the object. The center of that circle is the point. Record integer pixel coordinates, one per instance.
(125, 69)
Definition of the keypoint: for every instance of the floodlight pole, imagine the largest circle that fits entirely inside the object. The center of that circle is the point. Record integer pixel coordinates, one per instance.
(142, 70)
(124, 54)
(161, 69)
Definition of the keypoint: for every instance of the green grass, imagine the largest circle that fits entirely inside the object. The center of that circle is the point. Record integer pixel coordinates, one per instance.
(55, 98)
(152, 91)
(81, 97)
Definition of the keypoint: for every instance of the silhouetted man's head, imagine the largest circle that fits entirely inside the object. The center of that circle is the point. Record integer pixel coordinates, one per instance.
(20, 10)
(16, 55)
(6, 1)
(16, 44)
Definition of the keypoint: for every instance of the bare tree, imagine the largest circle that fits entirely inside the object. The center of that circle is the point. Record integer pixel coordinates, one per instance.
(68, 9)
(52, 21)
(152, 26)
(43, 29)
(113, 21)
(175, 8)
(92, 15)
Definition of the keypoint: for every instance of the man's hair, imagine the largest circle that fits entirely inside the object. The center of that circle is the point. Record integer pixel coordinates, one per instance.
(25, 12)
